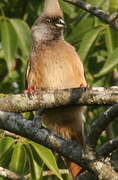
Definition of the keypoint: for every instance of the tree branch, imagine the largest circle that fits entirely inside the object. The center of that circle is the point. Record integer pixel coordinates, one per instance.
(56, 98)
(71, 150)
(47, 98)
(50, 173)
(86, 175)
(108, 147)
(15, 123)
(103, 152)
(100, 124)
(5, 173)
(112, 19)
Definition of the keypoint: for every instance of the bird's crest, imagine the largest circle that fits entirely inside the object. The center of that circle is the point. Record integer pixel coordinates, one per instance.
(52, 8)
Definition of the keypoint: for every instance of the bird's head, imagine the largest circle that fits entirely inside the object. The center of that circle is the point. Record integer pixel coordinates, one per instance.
(50, 25)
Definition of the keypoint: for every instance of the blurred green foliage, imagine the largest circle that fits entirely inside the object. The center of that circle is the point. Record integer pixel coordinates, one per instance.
(97, 45)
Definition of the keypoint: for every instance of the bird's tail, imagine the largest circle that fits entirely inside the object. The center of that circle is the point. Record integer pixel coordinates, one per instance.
(74, 168)
(67, 122)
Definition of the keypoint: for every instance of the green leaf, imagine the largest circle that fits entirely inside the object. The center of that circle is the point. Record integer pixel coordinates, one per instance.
(68, 9)
(111, 39)
(9, 42)
(2, 178)
(10, 77)
(113, 7)
(78, 29)
(18, 160)
(2, 54)
(95, 2)
(110, 63)
(108, 39)
(47, 156)
(88, 41)
(35, 168)
(105, 6)
(5, 159)
(5, 145)
(23, 34)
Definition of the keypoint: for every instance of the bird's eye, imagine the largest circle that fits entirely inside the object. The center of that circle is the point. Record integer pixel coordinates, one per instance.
(48, 20)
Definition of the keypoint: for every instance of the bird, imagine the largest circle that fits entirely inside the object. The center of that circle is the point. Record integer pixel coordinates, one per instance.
(54, 64)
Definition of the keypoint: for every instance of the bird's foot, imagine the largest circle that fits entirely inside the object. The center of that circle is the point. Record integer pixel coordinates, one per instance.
(37, 117)
(84, 86)
(30, 90)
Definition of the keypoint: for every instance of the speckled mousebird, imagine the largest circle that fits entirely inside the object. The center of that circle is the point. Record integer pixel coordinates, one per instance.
(54, 64)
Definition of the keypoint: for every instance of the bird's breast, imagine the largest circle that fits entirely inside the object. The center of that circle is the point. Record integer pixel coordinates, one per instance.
(56, 68)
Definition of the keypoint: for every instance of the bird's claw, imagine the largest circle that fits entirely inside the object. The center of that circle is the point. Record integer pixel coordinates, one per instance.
(84, 86)
(30, 90)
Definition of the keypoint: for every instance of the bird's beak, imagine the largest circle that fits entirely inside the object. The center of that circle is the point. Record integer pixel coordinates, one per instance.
(61, 23)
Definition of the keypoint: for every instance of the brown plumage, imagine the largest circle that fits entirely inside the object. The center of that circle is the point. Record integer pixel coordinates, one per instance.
(54, 64)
